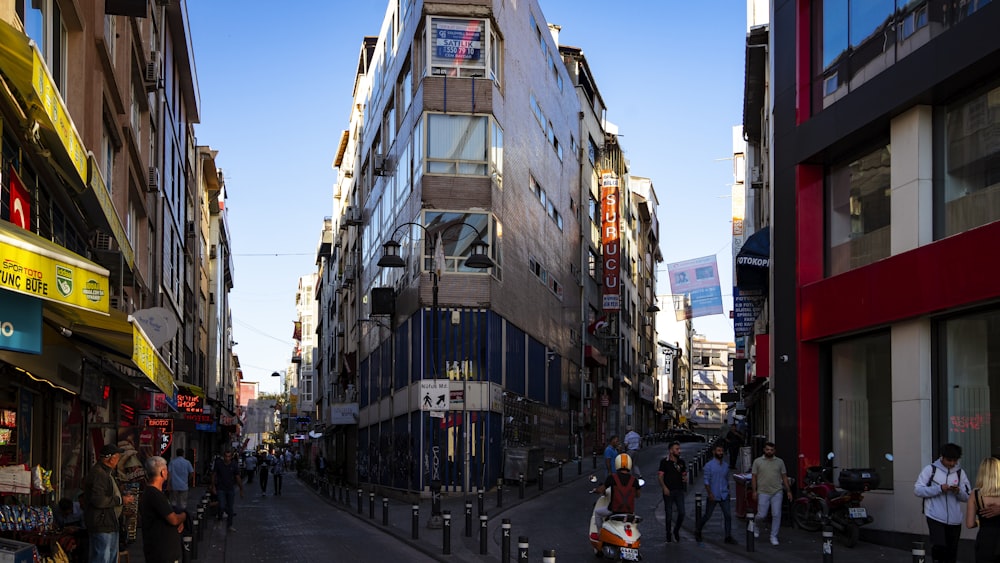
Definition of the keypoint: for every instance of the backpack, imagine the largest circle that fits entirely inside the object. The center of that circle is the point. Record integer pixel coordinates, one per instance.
(931, 480)
(622, 495)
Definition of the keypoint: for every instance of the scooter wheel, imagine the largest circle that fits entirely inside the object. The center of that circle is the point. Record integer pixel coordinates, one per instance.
(806, 516)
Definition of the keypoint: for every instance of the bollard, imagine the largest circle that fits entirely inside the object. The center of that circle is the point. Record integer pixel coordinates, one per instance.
(446, 530)
(194, 549)
(198, 534)
(541, 476)
(415, 533)
(697, 516)
(579, 466)
(186, 553)
(560, 472)
(482, 502)
(505, 541)
(385, 511)
(468, 519)
(371, 506)
(919, 555)
(483, 524)
(361, 507)
(522, 548)
(549, 556)
(827, 544)
(500, 492)
(751, 526)
(520, 485)
(595, 460)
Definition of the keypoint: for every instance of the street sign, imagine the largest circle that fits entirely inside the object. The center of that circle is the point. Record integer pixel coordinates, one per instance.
(434, 394)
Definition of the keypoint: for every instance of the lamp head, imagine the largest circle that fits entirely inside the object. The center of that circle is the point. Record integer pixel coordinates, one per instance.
(479, 258)
(390, 257)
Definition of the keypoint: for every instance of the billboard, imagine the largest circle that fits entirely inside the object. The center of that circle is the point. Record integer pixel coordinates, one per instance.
(698, 281)
(610, 242)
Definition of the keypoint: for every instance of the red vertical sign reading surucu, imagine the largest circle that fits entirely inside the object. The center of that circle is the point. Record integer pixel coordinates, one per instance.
(610, 243)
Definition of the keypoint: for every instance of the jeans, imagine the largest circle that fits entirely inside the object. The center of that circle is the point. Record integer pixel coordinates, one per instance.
(277, 483)
(675, 498)
(944, 540)
(725, 509)
(227, 499)
(179, 499)
(263, 479)
(104, 547)
(773, 501)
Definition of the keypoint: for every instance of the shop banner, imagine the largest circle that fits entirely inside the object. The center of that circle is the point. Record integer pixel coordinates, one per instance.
(747, 305)
(698, 281)
(20, 323)
(610, 242)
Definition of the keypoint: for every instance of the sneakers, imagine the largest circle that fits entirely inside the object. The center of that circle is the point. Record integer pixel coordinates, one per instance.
(677, 535)
(670, 538)
(232, 529)
(756, 532)
(774, 541)
(729, 540)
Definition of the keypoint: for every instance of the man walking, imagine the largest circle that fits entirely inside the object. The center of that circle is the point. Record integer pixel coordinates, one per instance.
(181, 479)
(265, 463)
(632, 443)
(161, 524)
(250, 466)
(944, 487)
(769, 479)
(103, 506)
(610, 453)
(672, 476)
(717, 487)
(278, 470)
(225, 479)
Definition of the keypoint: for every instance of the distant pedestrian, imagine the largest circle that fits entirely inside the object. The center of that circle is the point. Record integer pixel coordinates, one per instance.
(320, 465)
(717, 487)
(265, 463)
(226, 479)
(944, 487)
(770, 478)
(633, 441)
(162, 524)
(610, 453)
(250, 467)
(734, 441)
(279, 475)
(181, 479)
(672, 476)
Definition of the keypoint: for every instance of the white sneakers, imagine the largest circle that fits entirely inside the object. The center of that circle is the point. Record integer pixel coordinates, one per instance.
(774, 541)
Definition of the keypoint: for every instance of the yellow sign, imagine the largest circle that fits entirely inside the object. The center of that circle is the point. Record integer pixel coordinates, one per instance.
(57, 115)
(41, 273)
(145, 358)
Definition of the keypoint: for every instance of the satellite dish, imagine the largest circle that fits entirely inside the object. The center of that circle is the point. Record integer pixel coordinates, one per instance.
(313, 434)
(159, 324)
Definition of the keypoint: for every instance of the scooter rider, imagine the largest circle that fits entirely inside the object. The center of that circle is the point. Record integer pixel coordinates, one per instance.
(624, 490)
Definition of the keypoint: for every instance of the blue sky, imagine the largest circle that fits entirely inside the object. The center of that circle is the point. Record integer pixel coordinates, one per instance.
(276, 90)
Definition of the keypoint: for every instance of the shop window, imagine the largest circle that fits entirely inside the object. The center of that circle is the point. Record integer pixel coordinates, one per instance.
(858, 211)
(862, 403)
(967, 193)
(970, 369)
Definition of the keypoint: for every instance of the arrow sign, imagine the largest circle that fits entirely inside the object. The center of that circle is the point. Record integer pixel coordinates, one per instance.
(434, 394)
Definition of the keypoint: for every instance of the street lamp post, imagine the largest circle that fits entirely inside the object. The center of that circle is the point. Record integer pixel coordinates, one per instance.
(478, 259)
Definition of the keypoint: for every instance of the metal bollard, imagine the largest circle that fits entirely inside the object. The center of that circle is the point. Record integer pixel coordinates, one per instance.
(483, 524)
(385, 511)
(520, 484)
(595, 460)
(468, 519)
(371, 506)
(919, 555)
(522, 548)
(579, 466)
(697, 516)
(500, 492)
(505, 540)
(549, 556)
(560, 472)
(194, 549)
(186, 552)
(482, 502)
(541, 477)
(198, 534)
(361, 507)
(751, 526)
(415, 533)
(446, 530)
(828, 544)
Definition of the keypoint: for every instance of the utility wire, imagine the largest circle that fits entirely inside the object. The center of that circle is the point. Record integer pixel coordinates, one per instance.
(252, 328)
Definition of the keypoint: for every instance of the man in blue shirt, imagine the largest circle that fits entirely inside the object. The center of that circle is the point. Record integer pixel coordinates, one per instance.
(717, 487)
(610, 453)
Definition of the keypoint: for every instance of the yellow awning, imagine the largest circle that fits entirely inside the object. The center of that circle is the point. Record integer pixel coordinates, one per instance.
(34, 266)
(190, 388)
(118, 334)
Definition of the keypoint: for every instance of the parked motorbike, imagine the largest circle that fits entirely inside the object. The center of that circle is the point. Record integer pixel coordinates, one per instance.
(821, 502)
(619, 537)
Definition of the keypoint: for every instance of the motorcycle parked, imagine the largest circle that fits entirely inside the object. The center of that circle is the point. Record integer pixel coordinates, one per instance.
(619, 537)
(822, 502)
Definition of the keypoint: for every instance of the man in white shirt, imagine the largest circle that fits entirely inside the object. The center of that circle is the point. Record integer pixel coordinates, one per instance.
(181, 474)
(632, 442)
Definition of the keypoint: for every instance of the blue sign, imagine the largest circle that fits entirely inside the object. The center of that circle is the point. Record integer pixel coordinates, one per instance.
(20, 323)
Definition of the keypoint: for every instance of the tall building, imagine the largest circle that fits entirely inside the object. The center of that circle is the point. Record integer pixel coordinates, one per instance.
(884, 307)
(469, 163)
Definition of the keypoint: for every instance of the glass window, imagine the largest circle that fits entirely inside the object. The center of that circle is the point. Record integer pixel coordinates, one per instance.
(968, 193)
(971, 374)
(858, 211)
(456, 47)
(456, 237)
(862, 403)
(457, 144)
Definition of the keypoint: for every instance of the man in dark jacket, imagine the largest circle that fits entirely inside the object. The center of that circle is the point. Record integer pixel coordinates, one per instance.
(103, 506)
(672, 476)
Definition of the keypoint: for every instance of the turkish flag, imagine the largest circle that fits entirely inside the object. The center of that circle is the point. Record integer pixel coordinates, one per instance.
(20, 202)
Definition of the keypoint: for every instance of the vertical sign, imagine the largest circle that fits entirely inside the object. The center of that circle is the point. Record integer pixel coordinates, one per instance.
(610, 243)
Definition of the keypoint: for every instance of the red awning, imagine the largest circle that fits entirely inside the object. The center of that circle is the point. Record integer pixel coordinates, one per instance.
(593, 357)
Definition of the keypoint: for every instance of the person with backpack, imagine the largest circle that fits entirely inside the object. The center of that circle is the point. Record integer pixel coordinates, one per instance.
(624, 490)
(944, 487)
(673, 477)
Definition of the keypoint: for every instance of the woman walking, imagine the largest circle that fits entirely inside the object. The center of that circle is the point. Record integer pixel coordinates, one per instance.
(983, 510)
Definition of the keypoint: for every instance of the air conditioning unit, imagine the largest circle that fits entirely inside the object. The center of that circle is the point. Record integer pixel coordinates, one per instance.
(352, 215)
(381, 165)
(213, 251)
(642, 368)
(102, 242)
(588, 390)
(340, 329)
(189, 229)
(151, 78)
(153, 179)
(349, 273)
(115, 302)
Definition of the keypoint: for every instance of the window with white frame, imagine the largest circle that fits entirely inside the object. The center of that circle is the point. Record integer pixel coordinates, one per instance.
(459, 232)
(108, 157)
(463, 145)
(462, 48)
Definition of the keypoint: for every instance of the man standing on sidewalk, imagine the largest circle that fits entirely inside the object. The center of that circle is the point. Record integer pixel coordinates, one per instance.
(181, 479)
(161, 523)
(632, 442)
(673, 482)
(769, 479)
(103, 503)
(717, 487)
(225, 479)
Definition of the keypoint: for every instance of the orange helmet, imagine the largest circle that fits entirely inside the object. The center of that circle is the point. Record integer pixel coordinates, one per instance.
(623, 461)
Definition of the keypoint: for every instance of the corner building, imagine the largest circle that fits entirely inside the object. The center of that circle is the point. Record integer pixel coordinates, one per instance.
(886, 208)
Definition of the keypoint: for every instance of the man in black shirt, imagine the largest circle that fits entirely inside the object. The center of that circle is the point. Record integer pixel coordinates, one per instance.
(673, 482)
(161, 526)
(225, 479)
